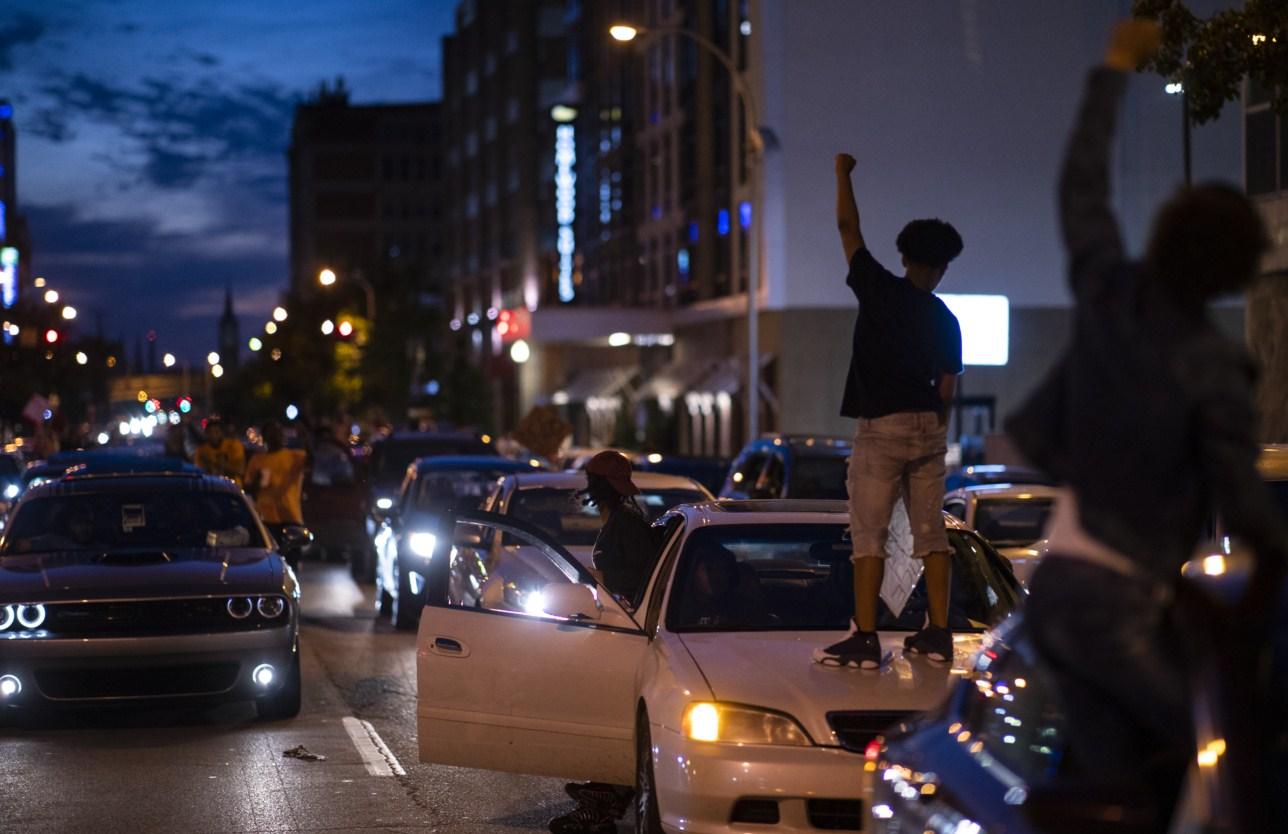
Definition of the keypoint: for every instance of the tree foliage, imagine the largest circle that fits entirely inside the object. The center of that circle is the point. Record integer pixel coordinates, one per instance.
(1211, 56)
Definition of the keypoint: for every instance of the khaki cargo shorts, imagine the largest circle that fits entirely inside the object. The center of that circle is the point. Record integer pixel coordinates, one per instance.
(899, 455)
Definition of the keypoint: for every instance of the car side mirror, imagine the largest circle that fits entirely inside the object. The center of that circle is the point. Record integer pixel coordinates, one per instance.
(570, 601)
(294, 538)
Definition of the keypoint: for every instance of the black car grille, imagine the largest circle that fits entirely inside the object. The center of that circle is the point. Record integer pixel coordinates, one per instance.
(835, 814)
(855, 730)
(755, 811)
(150, 682)
(142, 618)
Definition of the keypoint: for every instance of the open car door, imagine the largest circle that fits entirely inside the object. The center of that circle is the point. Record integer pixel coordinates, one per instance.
(524, 663)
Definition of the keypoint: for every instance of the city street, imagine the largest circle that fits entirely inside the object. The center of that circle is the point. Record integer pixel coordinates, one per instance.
(223, 771)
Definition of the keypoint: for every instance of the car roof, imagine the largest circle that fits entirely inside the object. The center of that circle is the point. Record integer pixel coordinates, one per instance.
(422, 436)
(475, 462)
(577, 480)
(778, 511)
(1019, 491)
(76, 484)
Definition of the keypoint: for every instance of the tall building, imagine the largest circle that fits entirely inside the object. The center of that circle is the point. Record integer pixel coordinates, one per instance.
(229, 336)
(366, 203)
(15, 247)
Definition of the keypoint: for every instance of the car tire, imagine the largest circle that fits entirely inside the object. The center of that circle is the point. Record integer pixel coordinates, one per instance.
(406, 615)
(285, 702)
(648, 817)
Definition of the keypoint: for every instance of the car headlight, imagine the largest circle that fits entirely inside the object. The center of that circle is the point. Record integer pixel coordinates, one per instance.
(732, 724)
(422, 544)
(11, 491)
(270, 608)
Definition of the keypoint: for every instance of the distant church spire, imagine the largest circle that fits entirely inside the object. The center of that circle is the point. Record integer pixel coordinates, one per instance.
(229, 332)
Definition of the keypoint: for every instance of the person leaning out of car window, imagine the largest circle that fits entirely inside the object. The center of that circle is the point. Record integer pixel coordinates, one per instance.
(626, 546)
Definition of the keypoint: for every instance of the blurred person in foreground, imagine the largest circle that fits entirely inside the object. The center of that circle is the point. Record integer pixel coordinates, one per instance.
(1148, 420)
(276, 478)
(219, 453)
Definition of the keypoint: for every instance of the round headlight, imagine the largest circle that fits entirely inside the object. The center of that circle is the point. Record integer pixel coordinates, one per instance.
(271, 607)
(11, 491)
(31, 616)
(239, 608)
(7, 616)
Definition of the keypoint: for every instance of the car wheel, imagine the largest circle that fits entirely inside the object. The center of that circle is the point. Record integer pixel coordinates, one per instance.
(285, 702)
(406, 615)
(648, 819)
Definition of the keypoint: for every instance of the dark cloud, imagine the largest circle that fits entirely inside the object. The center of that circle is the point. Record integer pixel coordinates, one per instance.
(20, 30)
(187, 131)
(142, 278)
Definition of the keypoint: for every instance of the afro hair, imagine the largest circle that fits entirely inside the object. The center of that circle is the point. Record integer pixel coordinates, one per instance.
(930, 242)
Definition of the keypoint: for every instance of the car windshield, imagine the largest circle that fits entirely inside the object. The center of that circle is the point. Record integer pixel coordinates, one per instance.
(819, 477)
(456, 489)
(390, 458)
(1012, 522)
(563, 514)
(126, 520)
(794, 577)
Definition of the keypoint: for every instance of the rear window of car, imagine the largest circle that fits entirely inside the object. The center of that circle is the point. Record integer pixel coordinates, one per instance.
(126, 520)
(1012, 522)
(456, 489)
(566, 517)
(819, 477)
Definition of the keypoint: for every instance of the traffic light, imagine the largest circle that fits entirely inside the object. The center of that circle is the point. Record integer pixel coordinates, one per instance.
(344, 329)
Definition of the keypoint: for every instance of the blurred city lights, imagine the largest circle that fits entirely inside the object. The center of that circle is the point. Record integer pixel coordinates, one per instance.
(142, 396)
(277, 354)
(328, 327)
(623, 32)
(345, 328)
(168, 360)
(81, 358)
(292, 412)
(51, 336)
(255, 344)
(103, 438)
(51, 296)
(38, 283)
(69, 313)
(619, 339)
(326, 277)
(270, 328)
(520, 352)
(216, 371)
(212, 358)
(279, 314)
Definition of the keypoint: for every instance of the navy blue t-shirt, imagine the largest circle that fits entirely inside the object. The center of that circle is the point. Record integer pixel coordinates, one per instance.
(905, 339)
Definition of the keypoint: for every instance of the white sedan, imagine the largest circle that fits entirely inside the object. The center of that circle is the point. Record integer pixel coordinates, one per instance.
(704, 697)
(1012, 517)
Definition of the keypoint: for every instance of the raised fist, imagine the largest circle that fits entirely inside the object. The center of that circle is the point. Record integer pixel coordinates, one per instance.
(1133, 42)
(844, 164)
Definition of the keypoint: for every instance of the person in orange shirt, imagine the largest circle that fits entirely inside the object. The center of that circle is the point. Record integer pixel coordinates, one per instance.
(220, 455)
(276, 478)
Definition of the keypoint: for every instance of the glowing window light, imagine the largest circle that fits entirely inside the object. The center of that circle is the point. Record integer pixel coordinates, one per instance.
(8, 276)
(986, 327)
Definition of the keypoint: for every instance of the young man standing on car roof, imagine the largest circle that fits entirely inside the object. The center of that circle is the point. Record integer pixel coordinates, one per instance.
(1148, 419)
(906, 356)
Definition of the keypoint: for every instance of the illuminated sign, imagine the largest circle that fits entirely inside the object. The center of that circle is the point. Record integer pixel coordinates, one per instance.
(565, 205)
(4, 226)
(8, 276)
(986, 327)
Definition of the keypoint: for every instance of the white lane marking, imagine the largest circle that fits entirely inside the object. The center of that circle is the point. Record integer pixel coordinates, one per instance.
(376, 755)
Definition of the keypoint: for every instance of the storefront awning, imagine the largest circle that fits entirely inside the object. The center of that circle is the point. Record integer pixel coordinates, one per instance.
(725, 377)
(674, 379)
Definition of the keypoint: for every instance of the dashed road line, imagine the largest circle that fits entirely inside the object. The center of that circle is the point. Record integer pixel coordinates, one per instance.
(376, 755)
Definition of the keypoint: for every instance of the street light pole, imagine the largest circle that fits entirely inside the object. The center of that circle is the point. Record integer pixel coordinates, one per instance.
(754, 147)
(327, 277)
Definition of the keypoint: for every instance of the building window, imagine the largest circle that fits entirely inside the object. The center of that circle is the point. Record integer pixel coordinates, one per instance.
(489, 129)
(489, 64)
(471, 144)
(512, 111)
(471, 83)
(511, 42)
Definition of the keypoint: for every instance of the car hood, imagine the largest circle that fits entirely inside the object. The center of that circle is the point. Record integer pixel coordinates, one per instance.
(775, 670)
(48, 577)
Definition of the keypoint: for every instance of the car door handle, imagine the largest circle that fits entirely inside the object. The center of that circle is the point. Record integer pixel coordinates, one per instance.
(448, 647)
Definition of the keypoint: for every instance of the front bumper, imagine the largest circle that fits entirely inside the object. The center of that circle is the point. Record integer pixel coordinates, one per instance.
(700, 785)
(73, 671)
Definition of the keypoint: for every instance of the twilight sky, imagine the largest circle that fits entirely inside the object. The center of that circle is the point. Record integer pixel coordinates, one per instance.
(152, 140)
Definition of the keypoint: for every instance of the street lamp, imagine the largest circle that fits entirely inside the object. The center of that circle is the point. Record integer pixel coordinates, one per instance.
(754, 147)
(69, 312)
(327, 278)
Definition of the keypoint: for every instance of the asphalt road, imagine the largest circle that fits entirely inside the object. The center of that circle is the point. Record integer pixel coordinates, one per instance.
(222, 770)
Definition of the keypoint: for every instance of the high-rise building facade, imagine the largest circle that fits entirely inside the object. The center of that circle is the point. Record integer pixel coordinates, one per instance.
(15, 248)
